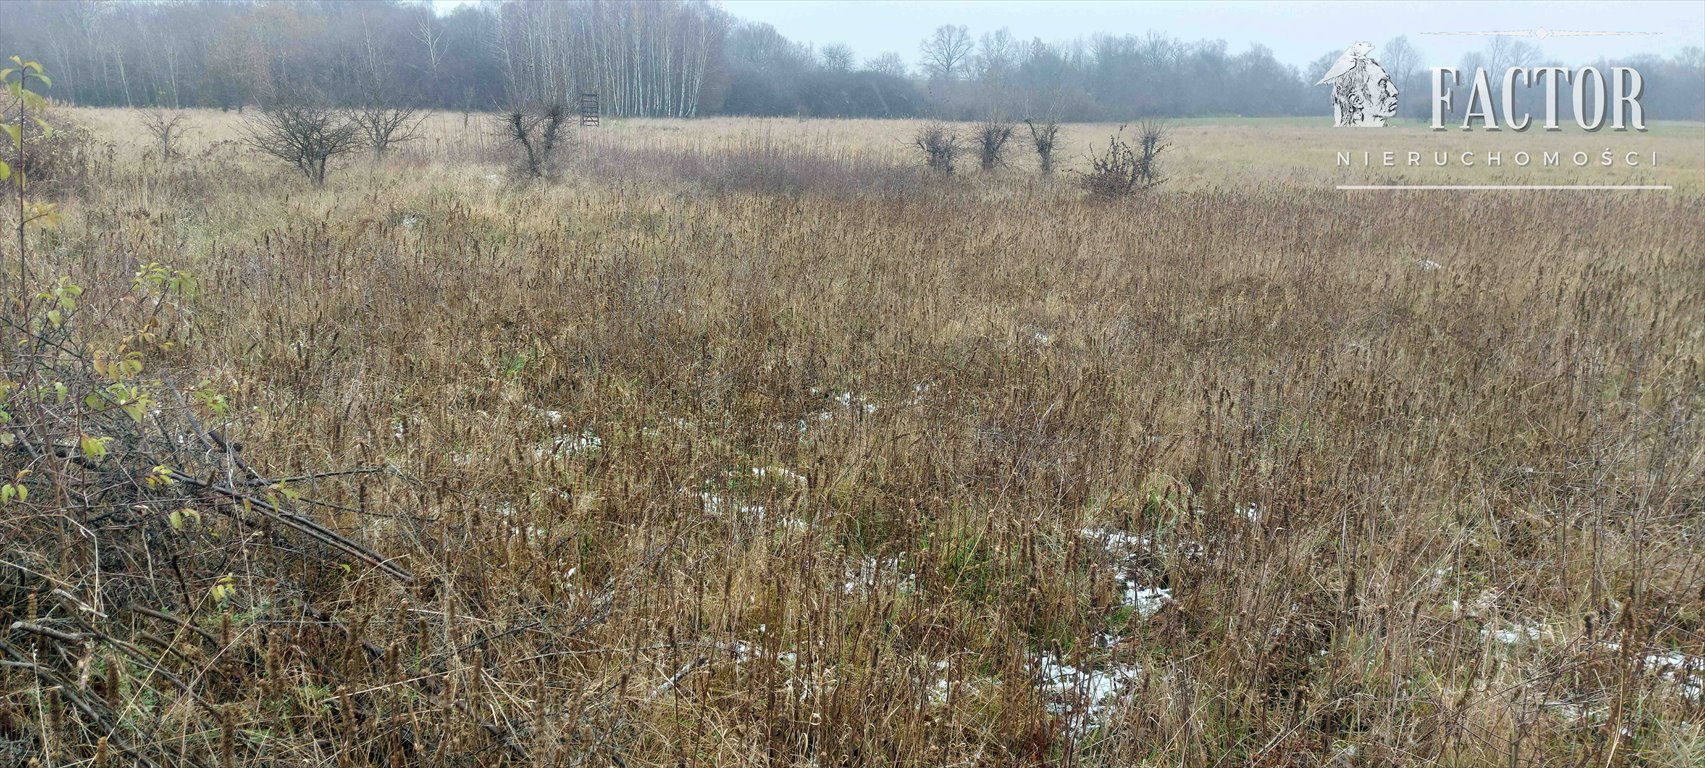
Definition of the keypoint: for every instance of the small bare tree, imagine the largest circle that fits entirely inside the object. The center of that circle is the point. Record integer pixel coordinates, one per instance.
(939, 145)
(536, 134)
(167, 127)
(303, 134)
(384, 126)
(992, 136)
(1045, 138)
(1123, 168)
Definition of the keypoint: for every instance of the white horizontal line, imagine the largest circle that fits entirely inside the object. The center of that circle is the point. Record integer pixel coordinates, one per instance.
(1356, 187)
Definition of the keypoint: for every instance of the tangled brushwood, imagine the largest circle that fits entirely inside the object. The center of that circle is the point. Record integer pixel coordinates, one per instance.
(1123, 168)
(133, 529)
(133, 534)
(939, 145)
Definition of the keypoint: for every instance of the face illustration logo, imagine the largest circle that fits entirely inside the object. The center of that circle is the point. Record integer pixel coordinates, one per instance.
(1363, 95)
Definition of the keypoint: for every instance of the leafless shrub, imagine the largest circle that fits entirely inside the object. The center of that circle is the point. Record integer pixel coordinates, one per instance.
(167, 126)
(939, 145)
(1045, 138)
(992, 136)
(383, 126)
(56, 160)
(303, 134)
(1123, 168)
(537, 134)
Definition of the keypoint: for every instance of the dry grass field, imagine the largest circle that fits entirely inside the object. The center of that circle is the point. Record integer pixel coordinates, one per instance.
(746, 442)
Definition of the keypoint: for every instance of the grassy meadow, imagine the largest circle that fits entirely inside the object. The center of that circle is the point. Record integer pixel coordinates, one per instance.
(748, 442)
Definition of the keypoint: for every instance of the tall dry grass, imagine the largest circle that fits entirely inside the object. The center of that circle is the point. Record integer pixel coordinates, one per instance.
(708, 456)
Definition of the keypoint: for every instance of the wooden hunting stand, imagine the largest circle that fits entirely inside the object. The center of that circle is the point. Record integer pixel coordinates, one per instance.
(589, 109)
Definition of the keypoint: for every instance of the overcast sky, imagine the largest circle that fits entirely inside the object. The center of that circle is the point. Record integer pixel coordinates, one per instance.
(1298, 32)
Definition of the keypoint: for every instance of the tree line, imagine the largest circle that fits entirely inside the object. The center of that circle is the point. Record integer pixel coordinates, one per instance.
(685, 58)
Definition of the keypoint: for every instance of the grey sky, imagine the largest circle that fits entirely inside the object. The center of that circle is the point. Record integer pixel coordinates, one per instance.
(1298, 32)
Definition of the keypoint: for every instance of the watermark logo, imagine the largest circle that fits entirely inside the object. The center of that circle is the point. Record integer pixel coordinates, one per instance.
(1363, 95)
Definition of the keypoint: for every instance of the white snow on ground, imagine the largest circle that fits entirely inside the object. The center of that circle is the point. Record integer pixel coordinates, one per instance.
(718, 505)
(513, 525)
(1685, 671)
(1093, 693)
(1517, 634)
(782, 474)
(563, 446)
(1145, 601)
(1123, 544)
(850, 401)
(867, 570)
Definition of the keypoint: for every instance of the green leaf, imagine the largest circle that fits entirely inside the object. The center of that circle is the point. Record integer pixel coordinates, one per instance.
(5, 171)
(45, 80)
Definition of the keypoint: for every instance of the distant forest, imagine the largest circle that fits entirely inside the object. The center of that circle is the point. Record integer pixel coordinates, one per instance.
(684, 59)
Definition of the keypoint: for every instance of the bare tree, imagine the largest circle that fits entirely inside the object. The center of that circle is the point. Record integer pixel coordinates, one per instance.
(947, 53)
(1504, 52)
(382, 126)
(537, 134)
(167, 127)
(1401, 61)
(303, 134)
(890, 64)
(1045, 138)
(997, 56)
(992, 136)
(939, 145)
(1123, 169)
(838, 57)
(432, 40)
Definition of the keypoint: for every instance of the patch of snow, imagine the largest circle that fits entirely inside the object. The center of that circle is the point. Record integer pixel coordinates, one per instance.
(1685, 671)
(1093, 693)
(717, 505)
(1516, 634)
(849, 400)
(568, 445)
(1428, 264)
(1119, 542)
(1145, 601)
(782, 474)
(867, 569)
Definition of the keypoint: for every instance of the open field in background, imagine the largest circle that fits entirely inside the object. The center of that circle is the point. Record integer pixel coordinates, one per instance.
(1240, 152)
(745, 443)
